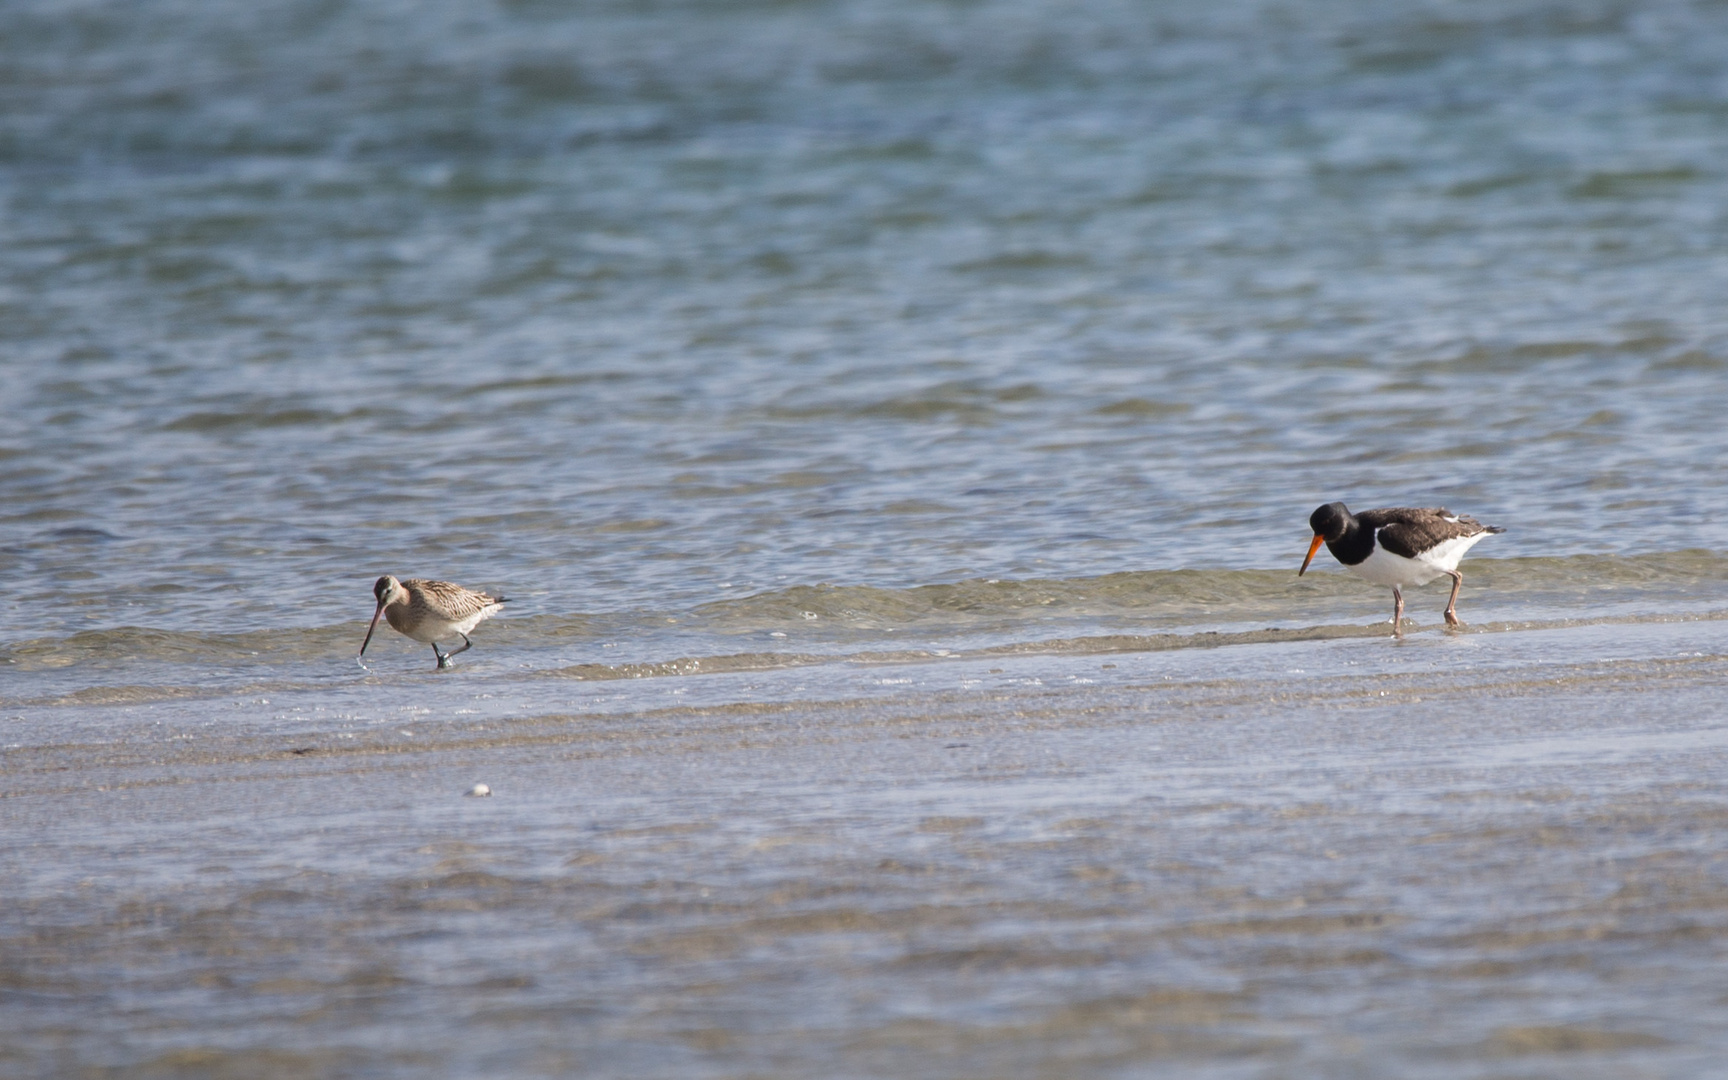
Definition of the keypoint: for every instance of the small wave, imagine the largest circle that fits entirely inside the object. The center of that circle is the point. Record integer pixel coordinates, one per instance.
(822, 623)
(224, 421)
(957, 401)
(139, 643)
(690, 665)
(735, 663)
(1143, 408)
(122, 695)
(81, 534)
(1083, 646)
(1184, 592)
(1216, 596)
(1112, 643)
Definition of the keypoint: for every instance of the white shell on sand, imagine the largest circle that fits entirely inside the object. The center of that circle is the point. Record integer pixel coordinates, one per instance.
(479, 791)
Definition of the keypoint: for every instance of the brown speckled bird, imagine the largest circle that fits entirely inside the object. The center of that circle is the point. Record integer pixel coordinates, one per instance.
(429, 610)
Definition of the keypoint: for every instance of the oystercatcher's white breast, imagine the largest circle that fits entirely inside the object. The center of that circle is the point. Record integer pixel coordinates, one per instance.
(1384, 568)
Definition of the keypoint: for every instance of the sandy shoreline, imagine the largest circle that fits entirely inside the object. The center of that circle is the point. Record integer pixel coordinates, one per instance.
(1478, 856)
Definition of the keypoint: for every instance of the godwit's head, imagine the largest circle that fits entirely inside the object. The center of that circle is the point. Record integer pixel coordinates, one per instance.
(388, 591)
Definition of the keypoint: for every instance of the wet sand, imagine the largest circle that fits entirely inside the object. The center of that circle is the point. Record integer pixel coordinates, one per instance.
(1477, 855)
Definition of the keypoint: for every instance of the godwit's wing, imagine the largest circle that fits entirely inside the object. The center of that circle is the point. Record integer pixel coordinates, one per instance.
(449, 603)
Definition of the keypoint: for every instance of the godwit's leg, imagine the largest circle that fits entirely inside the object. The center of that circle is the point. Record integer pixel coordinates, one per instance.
(1397, 612)
(1452, 601)
(466, 645)
(443, 658)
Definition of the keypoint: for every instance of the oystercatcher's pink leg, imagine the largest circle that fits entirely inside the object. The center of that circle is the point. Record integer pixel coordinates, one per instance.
(1452, 601)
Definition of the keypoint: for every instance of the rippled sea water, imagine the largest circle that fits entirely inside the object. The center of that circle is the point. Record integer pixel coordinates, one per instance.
(895, 424)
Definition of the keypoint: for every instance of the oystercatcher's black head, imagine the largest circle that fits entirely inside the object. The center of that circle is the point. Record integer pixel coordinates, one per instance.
(1331, 521)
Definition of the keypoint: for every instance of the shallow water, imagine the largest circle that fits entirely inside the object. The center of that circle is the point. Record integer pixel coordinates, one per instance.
(827, 383)
(624, 309)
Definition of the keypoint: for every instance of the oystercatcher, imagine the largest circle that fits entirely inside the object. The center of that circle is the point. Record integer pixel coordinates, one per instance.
(428, 610)
(1398, 546)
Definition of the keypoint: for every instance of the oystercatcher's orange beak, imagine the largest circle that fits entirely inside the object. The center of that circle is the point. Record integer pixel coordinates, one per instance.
(1312, 548)
(380, 611)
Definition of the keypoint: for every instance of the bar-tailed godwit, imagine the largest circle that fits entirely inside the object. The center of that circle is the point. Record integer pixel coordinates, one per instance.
(1398, 546)
(429, 610)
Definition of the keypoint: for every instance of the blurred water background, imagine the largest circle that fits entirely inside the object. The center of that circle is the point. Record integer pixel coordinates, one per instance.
(805, 335)
(636, 307)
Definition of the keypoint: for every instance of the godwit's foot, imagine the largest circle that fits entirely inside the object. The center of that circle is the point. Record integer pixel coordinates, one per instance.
(1453, 622)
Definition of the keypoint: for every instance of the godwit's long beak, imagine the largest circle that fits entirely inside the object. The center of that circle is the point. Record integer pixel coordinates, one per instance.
(1312, 548)
(374, 626)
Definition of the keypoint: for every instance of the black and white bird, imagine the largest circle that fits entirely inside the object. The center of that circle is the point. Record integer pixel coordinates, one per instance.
(1398, 546)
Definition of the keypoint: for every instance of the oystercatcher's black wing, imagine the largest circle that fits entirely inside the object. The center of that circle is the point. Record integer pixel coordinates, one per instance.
(1409, 531)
